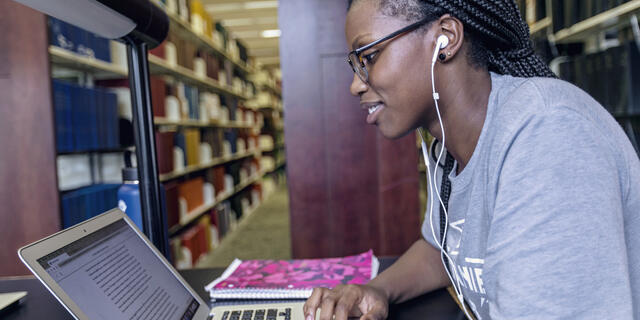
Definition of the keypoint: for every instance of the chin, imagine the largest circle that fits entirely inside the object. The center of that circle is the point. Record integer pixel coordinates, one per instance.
(391, 132)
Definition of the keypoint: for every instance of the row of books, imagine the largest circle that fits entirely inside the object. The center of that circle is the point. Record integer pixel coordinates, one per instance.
(569, 12)
(80, 41)
(177, 101)
(190, 147)
(612, 77)
(192, 12)
(203, 236)
(85, 203)
(178, 51)
(86, 118)
(185, 197)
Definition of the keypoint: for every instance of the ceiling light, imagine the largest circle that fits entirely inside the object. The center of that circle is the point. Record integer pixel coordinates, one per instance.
(271, 33)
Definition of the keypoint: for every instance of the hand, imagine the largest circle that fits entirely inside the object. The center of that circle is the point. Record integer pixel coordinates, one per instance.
(344, 301)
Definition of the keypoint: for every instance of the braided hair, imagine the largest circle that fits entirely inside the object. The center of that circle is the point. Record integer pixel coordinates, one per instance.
(498, 35)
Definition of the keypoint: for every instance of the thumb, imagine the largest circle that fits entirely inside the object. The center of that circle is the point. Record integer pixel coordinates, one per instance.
(376, 313)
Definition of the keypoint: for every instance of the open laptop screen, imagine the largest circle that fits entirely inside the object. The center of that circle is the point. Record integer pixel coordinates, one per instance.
(113, 274)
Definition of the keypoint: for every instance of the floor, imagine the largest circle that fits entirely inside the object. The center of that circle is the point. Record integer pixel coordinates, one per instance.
(265, 234)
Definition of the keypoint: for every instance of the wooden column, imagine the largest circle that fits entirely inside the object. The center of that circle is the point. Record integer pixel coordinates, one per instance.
(350, 188)
(29, 205)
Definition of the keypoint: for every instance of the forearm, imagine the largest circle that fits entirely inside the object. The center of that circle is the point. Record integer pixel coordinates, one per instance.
(417, 271)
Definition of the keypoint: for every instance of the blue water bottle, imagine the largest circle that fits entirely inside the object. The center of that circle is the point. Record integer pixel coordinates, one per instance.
(129, 196)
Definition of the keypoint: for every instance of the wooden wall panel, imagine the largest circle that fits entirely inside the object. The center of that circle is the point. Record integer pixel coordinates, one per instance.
(28, 187)
(350, 188)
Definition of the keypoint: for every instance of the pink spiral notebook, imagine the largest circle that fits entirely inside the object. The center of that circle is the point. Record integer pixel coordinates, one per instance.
(291, 279)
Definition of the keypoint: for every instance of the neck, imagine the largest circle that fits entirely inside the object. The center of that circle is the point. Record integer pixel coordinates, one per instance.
(464, 97)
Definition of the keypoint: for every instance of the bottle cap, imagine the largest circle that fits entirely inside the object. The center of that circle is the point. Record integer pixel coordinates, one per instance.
(130, 174)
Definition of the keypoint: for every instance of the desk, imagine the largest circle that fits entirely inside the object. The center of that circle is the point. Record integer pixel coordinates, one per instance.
(40, 304)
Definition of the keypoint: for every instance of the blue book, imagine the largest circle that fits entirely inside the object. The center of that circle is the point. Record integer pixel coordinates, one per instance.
(92, 112)
(82, 42)
(181, 143)
(102, 48)
(101, 125)
(67, 211)
(78, 118)
(195, 97)
(231, 136)
(233, 106)
(113, 122)
(61, 34)
(62, 107)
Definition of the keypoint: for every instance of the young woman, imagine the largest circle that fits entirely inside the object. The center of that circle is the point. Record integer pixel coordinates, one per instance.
(540, 205)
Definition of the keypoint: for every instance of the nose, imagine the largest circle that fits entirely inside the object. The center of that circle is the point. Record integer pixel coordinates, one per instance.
(358, 87)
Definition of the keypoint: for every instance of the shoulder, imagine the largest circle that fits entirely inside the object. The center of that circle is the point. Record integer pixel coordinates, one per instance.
(551, 119)
(553, 107)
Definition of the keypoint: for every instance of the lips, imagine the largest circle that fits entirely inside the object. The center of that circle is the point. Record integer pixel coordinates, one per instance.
(374, 110)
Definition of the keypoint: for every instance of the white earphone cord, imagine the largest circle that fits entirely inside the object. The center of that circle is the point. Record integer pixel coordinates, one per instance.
(442, 42)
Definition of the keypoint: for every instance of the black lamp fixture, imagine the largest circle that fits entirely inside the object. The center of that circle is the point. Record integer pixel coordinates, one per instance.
(140, 25)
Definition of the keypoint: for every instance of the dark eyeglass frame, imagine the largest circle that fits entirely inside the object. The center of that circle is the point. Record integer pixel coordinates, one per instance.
(356, 55)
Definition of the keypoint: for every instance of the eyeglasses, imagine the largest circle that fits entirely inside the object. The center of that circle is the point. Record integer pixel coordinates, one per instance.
(355, 57)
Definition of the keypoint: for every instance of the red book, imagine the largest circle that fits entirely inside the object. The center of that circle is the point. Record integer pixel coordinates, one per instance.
(158, 51)
(173, 207)
(189, 241)
(191, 191)
(158, 94)
(164, 151)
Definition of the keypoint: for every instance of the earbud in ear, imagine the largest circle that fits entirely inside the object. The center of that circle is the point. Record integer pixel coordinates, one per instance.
(443, 42)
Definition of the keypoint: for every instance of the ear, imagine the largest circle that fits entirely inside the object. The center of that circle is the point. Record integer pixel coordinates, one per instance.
(453, 29)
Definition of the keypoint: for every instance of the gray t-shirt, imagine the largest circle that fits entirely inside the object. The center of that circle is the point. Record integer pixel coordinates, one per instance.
(544, 221)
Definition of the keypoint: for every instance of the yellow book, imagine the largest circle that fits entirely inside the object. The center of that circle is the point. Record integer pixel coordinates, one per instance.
(192, 141)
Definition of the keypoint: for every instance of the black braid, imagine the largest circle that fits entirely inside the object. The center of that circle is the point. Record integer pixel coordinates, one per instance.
(499, 36)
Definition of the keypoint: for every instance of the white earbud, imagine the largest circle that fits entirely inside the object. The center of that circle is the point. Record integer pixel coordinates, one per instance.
(441, 43)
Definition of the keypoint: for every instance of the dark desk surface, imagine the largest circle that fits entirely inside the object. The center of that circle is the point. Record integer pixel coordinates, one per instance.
(40, 304)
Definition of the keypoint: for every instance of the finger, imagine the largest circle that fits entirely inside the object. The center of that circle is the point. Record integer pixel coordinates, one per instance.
(345, 305)
(376, 313)
(312, 304)
(327, 305)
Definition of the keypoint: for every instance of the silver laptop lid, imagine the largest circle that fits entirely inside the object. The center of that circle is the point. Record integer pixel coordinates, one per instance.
(104, 268)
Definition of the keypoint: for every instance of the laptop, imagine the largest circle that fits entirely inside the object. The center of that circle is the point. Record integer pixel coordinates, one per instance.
(105, 268)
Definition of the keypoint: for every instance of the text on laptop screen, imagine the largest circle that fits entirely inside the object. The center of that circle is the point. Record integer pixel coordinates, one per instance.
(113, 274)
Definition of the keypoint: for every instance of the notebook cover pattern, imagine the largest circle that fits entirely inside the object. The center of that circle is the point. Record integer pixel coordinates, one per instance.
(292, 279)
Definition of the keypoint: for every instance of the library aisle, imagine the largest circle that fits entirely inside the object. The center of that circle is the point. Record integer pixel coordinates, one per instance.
(262, 235)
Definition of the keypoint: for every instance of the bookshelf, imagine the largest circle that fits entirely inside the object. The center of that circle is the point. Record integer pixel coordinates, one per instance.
(159, 121)
(203, 166)
(611, 18)
(184, 29)
(64, 58)
(159, 66)
(540, 25)
(194, 215)
(89, 70)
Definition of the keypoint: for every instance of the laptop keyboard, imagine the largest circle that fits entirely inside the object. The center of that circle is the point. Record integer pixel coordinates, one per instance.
(259, 314)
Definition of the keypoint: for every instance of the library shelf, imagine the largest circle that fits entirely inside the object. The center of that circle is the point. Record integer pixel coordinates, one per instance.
(202, 166)
(102, 69)
(158, 65)
(98, 151)
(158, 121)
(540, 25)
(184, 29)
(200, 211)
(597, 23)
